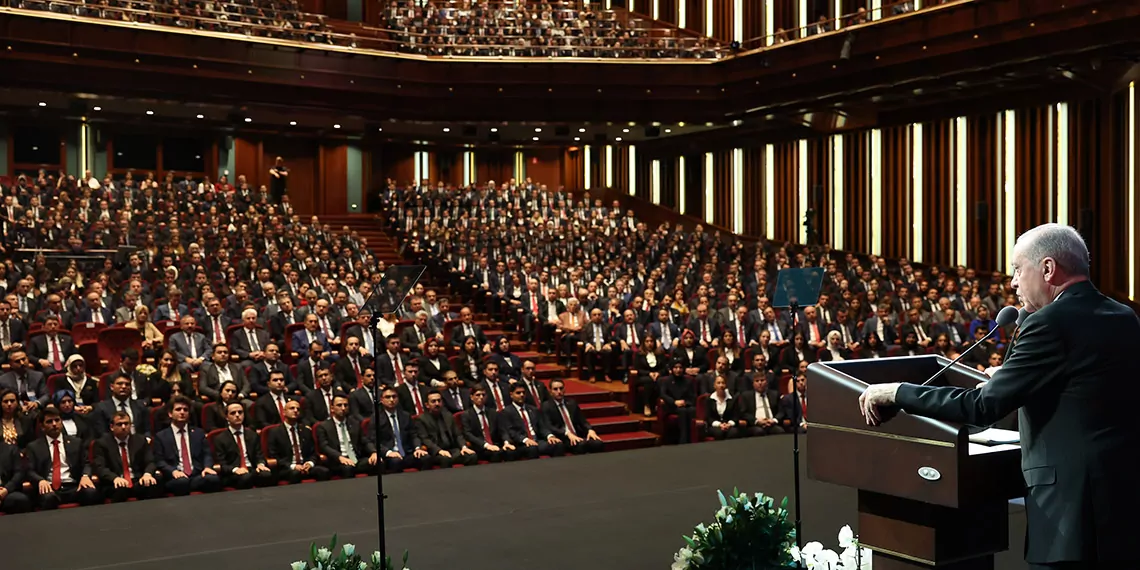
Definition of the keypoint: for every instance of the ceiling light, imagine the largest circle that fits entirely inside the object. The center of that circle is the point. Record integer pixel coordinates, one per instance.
(149, 112)
(618, 139)
(96, 108)
(576, 139)
(380, 129)
(201, 116)
(534, 138)
(336, 126)
(446, 130)
(667, 131)
(291, 123)
(625, 130)
(248, 120)
(538, 129)
(42, 104)
(494, 129)
(680, 125)
(582, 129)
(197, 157)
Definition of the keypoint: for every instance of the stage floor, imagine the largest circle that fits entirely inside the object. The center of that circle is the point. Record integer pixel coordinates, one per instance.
(622, 510)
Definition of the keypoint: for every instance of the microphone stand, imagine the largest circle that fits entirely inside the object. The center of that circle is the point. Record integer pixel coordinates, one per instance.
(380, 496)
(797, 413)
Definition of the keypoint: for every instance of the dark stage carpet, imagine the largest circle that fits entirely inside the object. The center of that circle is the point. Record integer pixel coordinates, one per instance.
(622, 510)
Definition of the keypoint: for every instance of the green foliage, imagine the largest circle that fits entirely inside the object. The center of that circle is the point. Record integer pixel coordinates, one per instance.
(323, 558)
(748, 533)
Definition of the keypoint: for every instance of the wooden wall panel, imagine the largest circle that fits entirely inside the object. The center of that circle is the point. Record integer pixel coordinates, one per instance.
(1035, 172)
(247, 161)
(695, 15)
(938, 202)
(818, 183)
(982, 190)
(754, 195)
(667, 11)
(332, 193)
(896, 192)
(572, 169)
(857, 191)
(393, 162)
(786, 192)
(301, 157)
(494, 164)
(722, 20)
(753, 20)
(694, 185)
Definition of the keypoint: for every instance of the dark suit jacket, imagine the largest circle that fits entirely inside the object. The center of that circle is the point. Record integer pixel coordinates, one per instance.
(102, 413)
(731, 410)
(166, 456)
(264, 411)
(300, 343)
(108, 462)
(207, 324)
(1069, 377)
(746, 405)
(406, 402)
(514, 429)
(259, 378)
(226, 450)
(316, 407)
(473, 430)
(552, 415)
(280, 447)
(345, 376)
(329, 440)
(385, 370)
(429, 371)
(11, 467)
(84, 315)
(38, 348)
(38, 455)
(408, 433)
(543, 393)
(360, 404)
(439, 433)
(458, 334)
(453, 403)
(239, 342)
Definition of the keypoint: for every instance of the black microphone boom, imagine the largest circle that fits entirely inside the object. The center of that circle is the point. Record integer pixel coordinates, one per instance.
(1007, 316)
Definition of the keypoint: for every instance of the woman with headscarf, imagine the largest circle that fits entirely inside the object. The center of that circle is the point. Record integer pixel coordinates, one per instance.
(74, 423)
(510, 365)
(84, 388)
(834, 350)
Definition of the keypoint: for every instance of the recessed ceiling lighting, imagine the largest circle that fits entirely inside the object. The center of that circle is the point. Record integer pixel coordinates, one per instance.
(667, 131)
(380, 129)
(446, 130)
(96, 108)
(494, 129)
(582, 129)
(149, 112)
(201, 116)
(576, 139)
(291, 123)
(534, 138)
(618, 139)
(42, 104)
(336, 126)
(248, 120)
(538, 129)
(197, 157)
(625, 130)
(680, 125)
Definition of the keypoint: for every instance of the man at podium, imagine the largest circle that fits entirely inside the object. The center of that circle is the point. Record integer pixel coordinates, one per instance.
(1071, 376)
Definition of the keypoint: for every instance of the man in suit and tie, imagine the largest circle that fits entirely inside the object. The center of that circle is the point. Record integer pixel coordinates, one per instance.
(413, 393)
(1069, 378)
(455, 398)
(284, 317)
(914, 325)
(663, 329)
(319, 402)
(760, 406)
(304, 338)
(348, 370)
(57, 466)
(348, 450)
(12, 332)
(219, 370)
(120, 402)
(29, 385)
(12, 499)
(847, 332)
(290, 447)
(705, 329)
(249, 342)
(182, 454)
(813, 329)
(567, 422)
(269, 408)
(360, 401)
(524, 427)
(467, 327)
(628, 335)
(536, 392)
(260, 372)
(214, 322)
(239, 453)
(51, 350)
(441, 436)
(414, 337)
(189, 345)
(597, 347)
(94, 311)
(794, 406)
(391, 364)
(882, 325)
(363, 331)
(482, 431)
(172, 309)
(125, 463)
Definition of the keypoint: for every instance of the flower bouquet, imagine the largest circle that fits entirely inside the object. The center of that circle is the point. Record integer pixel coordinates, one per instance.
(323, 559)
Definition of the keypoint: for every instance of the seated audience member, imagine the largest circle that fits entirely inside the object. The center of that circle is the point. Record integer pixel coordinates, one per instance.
(238, 453)
(759, 408)
(467, 327)
(628, 335)
(567, 422)
(649, 365)
(536, 391)
(308, 367)
(510, 365)
(835, 349)
(597, 347)
(391, 364)
(291, 446)
(309, 335)
(694, 358)
(525, 428)
(144, 378)
(84, 387)
(120, 401)
(167, 374)
(50, 350)
(433, 364)
(469, 362)
(441, 436)
(220, 370)
(399, 442)
(348, 449)
(482, 431)
(721, 411)
(789, 409)
(269, 409)
(214, 416)
(347, 371)
(361, 403)
(413, 394)
(183, 455)
(455, 398)
(679, 398)
(260, 372)
(152, 338)
(29, 385)
(872, 347)
(124, 463)
(161, 416)
(703, 384)
(57, 466)
(319, 403)
(249, 341)
(190, 346)
(16, 427)
(75, 425)
(12, 499)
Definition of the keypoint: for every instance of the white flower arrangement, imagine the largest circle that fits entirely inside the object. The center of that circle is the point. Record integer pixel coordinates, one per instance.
(322, 558)
(853, 557)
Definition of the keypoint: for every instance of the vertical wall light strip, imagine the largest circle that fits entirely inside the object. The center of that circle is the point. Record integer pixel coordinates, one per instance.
(417, 168)
(1009, 208)
(876, 227)
(1050, 179)
(802, 19)
(466, 168)
(738, 20)
(838, 13)
(609, 4)
(1062, 163)
(709, 18)
(876, 9)
(708, 176)
(655, 181)
(587, 168)
(961, 172)
(632, 170)
(1131, 251)
(520, 166)
(656, 9)
(737, 190)
(609, 166)
(802, 189)
(769, 23)
(769, 190)
(681, 199)
(84, 146)
(916, 192)
(836, 237)
(682, 15)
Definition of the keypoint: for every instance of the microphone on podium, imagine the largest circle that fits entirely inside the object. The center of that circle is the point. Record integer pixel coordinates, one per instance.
(1007, 316)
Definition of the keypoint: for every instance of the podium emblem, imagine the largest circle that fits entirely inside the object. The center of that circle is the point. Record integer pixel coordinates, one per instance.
(929, 473)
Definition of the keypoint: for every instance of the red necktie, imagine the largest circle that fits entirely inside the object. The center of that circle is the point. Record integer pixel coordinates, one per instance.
(526, 422)
(241, 449)
(219, 335)
(705, 331)
(486, 428)
(296, 444)
(56, 467)
(803, 406)
(126, 463)
(415, 390)
(399, 370)
(325, 328)
(534, 304)
(534, 393)
(356, 367)
(329, 399)
(281, 408)
(566, 418)
(498, 396)
(187, 464)
(632, 337)
(56, 362)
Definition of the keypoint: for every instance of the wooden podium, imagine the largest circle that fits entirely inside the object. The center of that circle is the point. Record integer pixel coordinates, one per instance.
(928, 497)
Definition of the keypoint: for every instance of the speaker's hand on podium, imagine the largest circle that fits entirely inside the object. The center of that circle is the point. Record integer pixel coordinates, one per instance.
(874, 401)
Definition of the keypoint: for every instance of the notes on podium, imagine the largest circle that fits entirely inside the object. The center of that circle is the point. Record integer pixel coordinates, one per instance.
(993, 440)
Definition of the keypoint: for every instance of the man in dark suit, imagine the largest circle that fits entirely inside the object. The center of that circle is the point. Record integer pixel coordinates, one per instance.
(269, 409)
(360, 402)
(183, 455)
(259, 373)
(760, 406)
(290, 446)
(214, 322)
(567, 422)
(666, 333)
(524, 427)
(790, 411)
(57, 466)
(399, 443)
(284, 317)
(391, 364)
(319, 402)
(218, 370)
(455, 398)
(239, 453)
(120, 402)
(442, 438)
(468, 327)
(348, 370)
(125, 464)
(1069, 376)
(307, 369)
(536, 392)
(29, 385)
(413, 393)
(12, 499)
(481, 429)
(309, 335)
(51, 350)
(348, 450)
(190, 346)
(249, 342)
(94, 311)
(597, 347)
(679, 398)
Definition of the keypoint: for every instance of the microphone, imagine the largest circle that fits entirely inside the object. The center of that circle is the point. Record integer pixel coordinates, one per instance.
(1007, 316)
